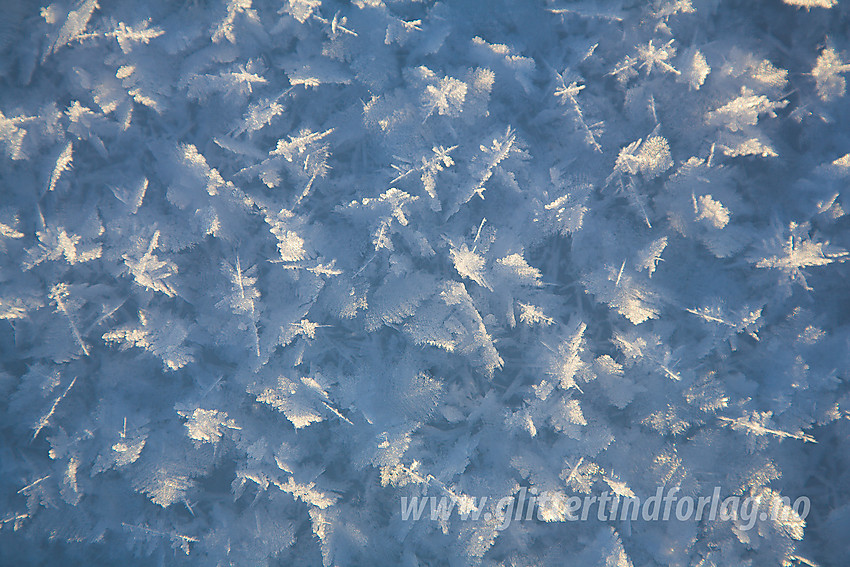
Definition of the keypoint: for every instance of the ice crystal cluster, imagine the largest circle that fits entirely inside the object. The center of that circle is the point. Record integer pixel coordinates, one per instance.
(268, 267)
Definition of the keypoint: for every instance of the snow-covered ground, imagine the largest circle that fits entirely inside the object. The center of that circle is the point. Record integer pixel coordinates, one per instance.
(271, 270)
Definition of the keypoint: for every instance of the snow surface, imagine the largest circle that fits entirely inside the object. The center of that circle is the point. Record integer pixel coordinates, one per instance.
(268, 267)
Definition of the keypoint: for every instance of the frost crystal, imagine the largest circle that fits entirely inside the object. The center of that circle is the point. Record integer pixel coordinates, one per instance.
(397, 282)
